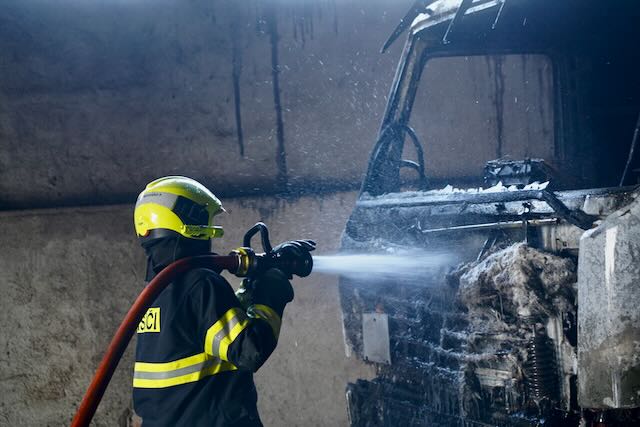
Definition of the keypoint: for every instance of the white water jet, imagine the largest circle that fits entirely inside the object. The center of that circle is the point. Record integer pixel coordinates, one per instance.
(409, 264)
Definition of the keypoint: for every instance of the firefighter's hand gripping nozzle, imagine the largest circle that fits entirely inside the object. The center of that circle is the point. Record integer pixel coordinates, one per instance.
(291, 257)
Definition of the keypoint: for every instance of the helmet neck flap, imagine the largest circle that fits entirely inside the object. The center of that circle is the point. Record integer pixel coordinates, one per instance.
(168, 248)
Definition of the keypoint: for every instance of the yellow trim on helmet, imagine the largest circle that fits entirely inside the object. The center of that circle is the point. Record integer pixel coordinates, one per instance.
(188, 188)
(152, 214)
(208, 231)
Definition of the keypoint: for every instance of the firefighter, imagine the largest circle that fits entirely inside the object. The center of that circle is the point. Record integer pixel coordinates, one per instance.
(199, 344)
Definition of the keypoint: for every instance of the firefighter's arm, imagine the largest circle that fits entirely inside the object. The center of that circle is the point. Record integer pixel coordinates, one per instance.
(244, 337)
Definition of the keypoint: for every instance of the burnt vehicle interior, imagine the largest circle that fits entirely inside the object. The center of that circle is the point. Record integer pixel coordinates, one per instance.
(518, 329)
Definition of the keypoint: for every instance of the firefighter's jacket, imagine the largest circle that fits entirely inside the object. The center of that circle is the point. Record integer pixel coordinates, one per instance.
(197, 350)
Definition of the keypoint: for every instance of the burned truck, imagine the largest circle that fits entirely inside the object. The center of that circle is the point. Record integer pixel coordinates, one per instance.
(508, 143)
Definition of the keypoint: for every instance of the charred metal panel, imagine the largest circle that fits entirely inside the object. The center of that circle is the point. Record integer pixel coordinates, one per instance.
(609, 319)
(375, 337)
(511, 172)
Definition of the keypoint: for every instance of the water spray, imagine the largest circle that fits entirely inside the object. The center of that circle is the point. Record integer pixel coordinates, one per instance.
(404, 264)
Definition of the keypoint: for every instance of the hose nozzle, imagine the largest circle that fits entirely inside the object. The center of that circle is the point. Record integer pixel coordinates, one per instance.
(294, 265)
(292, 257)
(253, 264)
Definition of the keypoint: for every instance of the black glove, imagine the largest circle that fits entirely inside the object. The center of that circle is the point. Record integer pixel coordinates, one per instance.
(270, 288)
(292, 257)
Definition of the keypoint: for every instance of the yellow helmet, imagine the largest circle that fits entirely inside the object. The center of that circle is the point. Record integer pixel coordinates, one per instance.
(178, 204)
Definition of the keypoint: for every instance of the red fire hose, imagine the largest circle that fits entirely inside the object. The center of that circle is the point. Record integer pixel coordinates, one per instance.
(127, 328)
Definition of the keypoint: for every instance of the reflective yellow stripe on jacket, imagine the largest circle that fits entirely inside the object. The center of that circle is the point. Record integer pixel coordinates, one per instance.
(182, 371)
(265, 312)
(220, 336)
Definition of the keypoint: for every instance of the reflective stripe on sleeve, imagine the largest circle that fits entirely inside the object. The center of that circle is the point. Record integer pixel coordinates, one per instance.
(264, 312)
(222, 334)
(182, 371)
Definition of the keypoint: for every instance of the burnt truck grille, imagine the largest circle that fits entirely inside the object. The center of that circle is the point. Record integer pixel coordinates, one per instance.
(430, 381)
(465, 350)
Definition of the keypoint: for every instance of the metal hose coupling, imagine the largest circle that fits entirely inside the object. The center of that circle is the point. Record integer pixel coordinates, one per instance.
(247, 261)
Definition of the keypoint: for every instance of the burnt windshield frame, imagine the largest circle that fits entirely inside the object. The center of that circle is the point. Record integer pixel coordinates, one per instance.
(383, 172)
(554, 61)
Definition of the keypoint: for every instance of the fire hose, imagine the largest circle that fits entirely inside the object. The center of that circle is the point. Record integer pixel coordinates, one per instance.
(243, 262)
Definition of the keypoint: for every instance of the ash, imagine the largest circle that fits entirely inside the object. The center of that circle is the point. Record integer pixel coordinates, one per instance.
(461, 343)
(515, 286)
(449, 189)
(512, 298)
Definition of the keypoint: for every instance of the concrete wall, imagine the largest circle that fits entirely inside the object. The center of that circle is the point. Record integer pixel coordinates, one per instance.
(98, 98)
(69, 275)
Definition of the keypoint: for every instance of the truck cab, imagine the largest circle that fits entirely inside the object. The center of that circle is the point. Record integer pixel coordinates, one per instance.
(509, 134)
